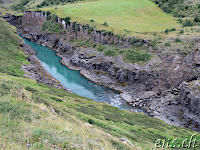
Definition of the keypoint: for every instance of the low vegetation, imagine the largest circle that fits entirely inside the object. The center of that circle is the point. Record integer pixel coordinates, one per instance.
(9, 49)
(123, 18)
(51, 26)
(55, 2)
(134, 54)
(31, 118)
(46, 117)
(181, 9)
(137, 56)
(21, 5)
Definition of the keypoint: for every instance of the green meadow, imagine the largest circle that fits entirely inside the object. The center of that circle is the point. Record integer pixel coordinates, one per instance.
(131, 15)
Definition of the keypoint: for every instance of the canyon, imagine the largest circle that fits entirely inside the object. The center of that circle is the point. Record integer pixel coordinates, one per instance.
(167, 86)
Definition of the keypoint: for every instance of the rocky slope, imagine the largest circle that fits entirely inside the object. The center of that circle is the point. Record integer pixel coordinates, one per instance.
(158, 87)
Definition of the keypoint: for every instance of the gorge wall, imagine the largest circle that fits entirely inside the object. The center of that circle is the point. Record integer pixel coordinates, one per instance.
(158, 86)
(79, 31)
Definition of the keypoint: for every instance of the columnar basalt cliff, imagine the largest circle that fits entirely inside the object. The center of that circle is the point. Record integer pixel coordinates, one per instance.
(79, 31)
(158, 86)
(34, 17)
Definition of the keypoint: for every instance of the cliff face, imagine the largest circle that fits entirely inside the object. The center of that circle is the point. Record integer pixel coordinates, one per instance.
(79, 31)
(156, 86)
(34, 18)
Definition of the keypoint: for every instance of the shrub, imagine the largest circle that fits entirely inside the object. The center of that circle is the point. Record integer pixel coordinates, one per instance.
(105, 24)
(101, 48)
(127, 31)
(94, 45)
(20, 5)
(197, 18)
(67, 20)
(57, 2)
(84, 43)
(50, 25)
(90, 121)
(187, 23)
(55, 17)
(167, 31)
(49, 17)
(181, 31)
(179, 8)
(173, 29)
(137, 55)
(134, 40)
(110, 52)
(167, 44)
(178, 40)
(28, 88)
(48, 13)
(170, 30)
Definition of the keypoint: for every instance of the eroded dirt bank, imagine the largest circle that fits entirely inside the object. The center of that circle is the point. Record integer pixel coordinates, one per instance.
(167, 86)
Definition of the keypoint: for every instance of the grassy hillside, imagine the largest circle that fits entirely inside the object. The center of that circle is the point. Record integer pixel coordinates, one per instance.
(180, 8)
(134, 15)
(11, 57)
(8, 2)
(187, 9)
(31, 118)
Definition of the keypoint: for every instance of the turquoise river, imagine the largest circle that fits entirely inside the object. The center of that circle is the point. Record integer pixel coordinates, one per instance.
(74, 81)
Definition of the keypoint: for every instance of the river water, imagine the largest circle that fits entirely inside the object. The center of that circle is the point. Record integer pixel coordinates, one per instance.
(74, 81)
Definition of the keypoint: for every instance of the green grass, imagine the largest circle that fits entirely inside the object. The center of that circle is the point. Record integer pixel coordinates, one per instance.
(11, 55)
(133, 15)
(28, 119)
(26, 110)
(131, 55)
(49, 25)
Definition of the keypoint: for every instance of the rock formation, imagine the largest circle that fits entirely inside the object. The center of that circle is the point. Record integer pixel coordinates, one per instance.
(161, 86)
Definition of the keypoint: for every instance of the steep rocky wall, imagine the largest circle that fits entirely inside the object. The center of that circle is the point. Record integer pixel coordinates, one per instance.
(179, 106)
(13, 20)
(79, 31)
(34, 17)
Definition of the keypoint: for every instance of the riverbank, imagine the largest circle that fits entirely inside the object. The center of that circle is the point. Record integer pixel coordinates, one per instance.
(141, 85)
(36, 71)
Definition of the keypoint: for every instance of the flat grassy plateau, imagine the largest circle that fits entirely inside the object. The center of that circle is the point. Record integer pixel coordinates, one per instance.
(122, 17)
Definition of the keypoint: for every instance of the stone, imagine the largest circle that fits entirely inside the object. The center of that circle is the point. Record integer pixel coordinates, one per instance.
(126, 141)
(87, 124)
(7, 15)
(108, 134)
(64, 24)
(126, 96)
